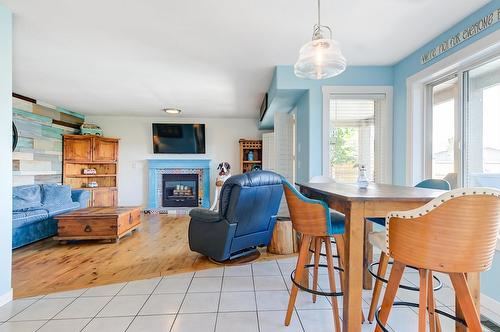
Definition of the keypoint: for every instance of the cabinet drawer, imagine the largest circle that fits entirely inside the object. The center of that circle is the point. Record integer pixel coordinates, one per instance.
(87, 228)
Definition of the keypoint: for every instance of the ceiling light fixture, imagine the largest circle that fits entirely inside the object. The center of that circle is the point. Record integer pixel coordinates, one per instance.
(320, 58)
(172, 110)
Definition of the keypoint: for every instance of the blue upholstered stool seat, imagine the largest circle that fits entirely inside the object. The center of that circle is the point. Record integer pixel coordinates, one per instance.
(429, 184)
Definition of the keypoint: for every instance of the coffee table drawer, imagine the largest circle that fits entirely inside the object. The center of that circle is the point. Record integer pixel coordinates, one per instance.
(87, 228)
(128, 221)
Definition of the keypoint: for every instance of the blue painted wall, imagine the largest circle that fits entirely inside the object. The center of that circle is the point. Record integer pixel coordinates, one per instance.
(411, 65)
(288, 91)
(6, 148)
(490, 284)
(302, 122)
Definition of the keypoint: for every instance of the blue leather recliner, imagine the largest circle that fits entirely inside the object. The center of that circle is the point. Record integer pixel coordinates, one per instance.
(247, 213)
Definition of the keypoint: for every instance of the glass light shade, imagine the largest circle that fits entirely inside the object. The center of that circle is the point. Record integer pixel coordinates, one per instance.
(320, 59)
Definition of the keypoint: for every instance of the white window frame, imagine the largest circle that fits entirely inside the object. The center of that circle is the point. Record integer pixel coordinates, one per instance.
(470, 56)
(416, 85)
(458, 125)
(384, 131)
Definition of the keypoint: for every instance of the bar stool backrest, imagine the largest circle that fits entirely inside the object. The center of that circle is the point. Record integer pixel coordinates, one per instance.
(309, 216)
(434, 184)
(454, 233)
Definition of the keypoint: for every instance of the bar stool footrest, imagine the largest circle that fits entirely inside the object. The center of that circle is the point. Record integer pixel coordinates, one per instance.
(411, 288)
(316, 292)
(415, 305)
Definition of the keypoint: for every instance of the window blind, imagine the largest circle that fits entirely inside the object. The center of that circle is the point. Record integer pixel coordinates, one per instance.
(353, 122)
(352, 112)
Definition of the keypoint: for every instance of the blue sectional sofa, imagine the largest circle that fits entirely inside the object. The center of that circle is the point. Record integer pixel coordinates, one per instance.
(34, 208)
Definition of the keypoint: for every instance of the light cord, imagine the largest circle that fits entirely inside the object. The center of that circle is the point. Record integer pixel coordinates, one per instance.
(319, 12)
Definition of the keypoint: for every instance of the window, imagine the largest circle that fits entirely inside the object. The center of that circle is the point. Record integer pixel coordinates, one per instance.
(359, 132)
(476, 149)
(352, 138)
(442, 128)
(462, 129)
(482, 121)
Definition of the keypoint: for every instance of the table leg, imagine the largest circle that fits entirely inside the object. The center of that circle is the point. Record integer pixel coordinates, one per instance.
(367, 256)
(473, 279)
(353, 268)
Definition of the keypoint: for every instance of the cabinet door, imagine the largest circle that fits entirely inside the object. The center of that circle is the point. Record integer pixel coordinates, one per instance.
(78, 149)
(105, 150)
(102, 197)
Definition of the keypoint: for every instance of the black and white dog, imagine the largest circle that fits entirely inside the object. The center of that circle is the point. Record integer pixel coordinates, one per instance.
(224, 173)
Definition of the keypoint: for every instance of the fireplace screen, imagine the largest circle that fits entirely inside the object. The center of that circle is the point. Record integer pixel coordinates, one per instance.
(180, 190)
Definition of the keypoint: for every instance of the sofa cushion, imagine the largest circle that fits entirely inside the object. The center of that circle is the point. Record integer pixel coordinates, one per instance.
(20, 219)
(56, 209)
(53, 194)
(26, 197)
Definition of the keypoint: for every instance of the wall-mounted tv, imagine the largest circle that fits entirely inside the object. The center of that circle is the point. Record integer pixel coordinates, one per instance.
(178, 138)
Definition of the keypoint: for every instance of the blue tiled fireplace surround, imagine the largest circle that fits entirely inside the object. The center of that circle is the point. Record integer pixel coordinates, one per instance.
(158, 167)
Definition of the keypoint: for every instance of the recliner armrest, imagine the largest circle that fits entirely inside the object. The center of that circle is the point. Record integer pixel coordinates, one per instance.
(205, 215)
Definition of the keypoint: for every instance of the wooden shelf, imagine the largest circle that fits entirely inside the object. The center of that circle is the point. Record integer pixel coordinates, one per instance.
(90, 162)
(90, 176)
(246, 147)
(82, 152)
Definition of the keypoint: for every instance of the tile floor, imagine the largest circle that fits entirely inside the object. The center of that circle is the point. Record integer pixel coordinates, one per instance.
(249, 298)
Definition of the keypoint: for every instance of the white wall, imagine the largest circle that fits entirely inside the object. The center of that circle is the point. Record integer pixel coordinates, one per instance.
(6, 156)
(136, 147)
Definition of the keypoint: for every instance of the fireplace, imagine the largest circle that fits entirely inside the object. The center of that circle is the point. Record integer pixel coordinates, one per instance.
(195, 171)
(180, 190)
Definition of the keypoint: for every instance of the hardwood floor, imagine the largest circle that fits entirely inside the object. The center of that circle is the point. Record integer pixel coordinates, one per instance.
(158, 248)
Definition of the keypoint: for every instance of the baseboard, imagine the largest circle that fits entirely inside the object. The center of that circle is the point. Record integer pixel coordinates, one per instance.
(490, 303)
(6, 298)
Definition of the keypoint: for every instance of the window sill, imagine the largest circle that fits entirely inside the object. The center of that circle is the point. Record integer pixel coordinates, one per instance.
(498, 244)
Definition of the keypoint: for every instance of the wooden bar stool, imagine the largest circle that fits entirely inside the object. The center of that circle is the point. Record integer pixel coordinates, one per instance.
(317, 224)
(455, 234)
(377, 239)
(316, 246)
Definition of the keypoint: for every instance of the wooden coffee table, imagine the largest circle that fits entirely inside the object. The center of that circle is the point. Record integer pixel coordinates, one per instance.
(97, 223)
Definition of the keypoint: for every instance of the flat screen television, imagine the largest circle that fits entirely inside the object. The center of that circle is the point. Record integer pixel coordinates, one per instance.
(178, 138)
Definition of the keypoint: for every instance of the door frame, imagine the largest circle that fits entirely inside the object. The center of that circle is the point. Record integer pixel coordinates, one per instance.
(383, 138)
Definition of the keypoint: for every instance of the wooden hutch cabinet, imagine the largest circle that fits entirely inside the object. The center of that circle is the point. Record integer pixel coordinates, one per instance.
(250, 155)
(100, 156)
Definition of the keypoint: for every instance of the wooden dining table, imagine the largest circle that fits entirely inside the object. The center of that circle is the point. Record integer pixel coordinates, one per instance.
(358, 204)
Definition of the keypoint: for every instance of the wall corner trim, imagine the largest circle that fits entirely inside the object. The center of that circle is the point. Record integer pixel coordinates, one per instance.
(6, 297)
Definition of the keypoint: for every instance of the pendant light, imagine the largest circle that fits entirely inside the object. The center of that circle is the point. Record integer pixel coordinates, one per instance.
(320, 58)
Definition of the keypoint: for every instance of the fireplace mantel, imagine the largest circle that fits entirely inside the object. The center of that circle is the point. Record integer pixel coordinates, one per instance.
(157, 167)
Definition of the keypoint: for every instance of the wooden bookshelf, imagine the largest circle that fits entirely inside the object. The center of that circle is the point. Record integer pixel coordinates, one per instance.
(247, 146)
(100, 153)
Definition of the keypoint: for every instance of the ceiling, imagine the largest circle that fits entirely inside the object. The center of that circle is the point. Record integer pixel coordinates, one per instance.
(211, 58)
